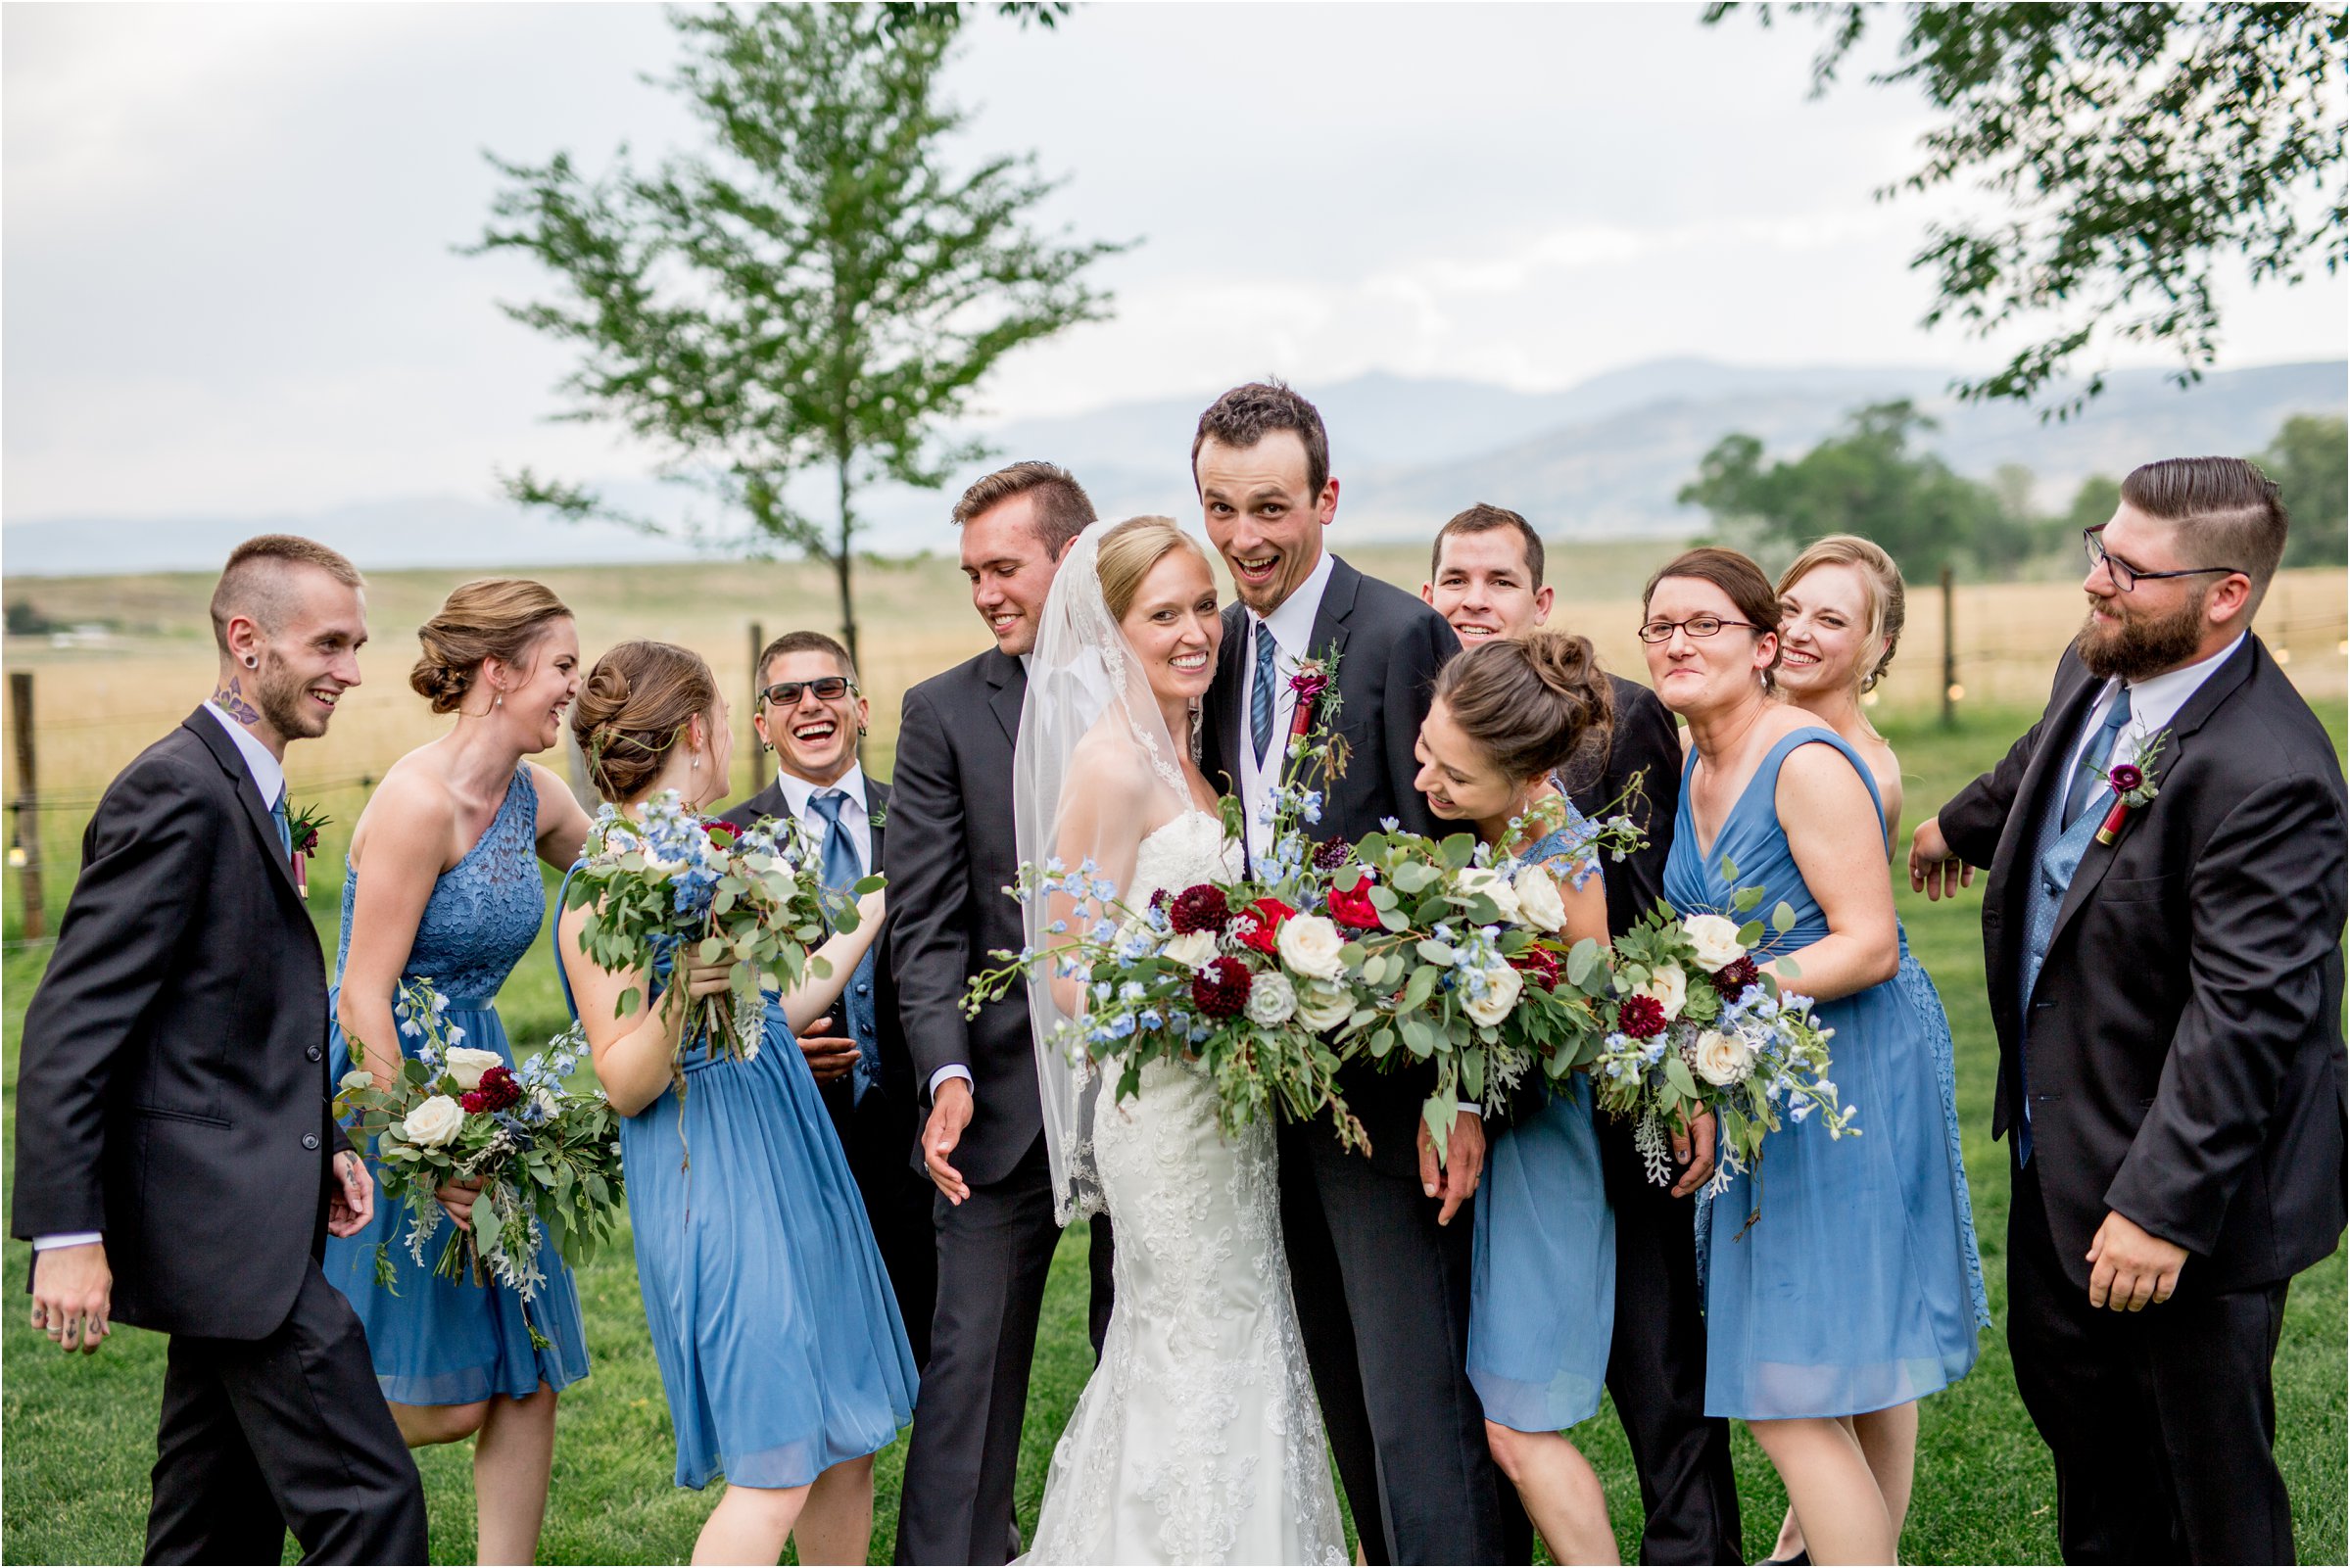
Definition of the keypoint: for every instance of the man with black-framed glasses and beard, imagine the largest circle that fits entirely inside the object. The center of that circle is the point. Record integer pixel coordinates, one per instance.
(811, 714)
(2161, 927)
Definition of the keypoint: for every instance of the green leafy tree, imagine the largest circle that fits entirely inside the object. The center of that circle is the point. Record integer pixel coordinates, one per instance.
(820, 290)
(2132, 148)
(1867, 479)
(2309, 460)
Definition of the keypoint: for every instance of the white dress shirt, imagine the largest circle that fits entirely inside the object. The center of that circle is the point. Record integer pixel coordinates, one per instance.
(2153, 703)
(269, 776)
(1291, 626)
(800, 801)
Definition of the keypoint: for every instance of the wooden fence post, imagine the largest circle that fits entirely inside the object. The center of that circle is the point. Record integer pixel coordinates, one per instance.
(25, 842)
(1950, 687)
(758, 753)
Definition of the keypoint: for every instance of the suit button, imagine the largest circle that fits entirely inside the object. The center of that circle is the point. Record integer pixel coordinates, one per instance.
(317, 1053)
(863, 989)
(310, 1140)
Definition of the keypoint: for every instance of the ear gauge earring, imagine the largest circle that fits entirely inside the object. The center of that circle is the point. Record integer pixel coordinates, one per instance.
(253, 661)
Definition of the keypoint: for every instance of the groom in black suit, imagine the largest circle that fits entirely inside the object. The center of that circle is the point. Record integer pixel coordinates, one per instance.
(952, 857)
(2168, 991)
(177, 1166)
(1378, 1247)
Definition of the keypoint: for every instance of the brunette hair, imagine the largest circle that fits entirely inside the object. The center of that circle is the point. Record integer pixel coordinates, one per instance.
(1129, 550)
(803, 642)
(1887, 598)
(632, 709)
(1532, 701)
(490, 618)
(1246, 415)
(1737, 576)
(2228, 513)
(252, 580)
(1062, 509)
(1484, 519)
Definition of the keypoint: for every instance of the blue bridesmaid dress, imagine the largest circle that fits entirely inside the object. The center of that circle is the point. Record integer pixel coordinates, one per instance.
(1542, 1275)
(781, 1348)
(1857, 1289)
(452, 1342)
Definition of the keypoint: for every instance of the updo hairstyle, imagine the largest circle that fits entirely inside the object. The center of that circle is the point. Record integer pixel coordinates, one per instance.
(1884, 582)
(490, 618)
(1129, 551)
(1531, 702)
(635, 705)
(1737, 576)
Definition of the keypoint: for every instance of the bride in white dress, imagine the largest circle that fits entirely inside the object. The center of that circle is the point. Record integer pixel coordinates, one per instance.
(1197, 1438)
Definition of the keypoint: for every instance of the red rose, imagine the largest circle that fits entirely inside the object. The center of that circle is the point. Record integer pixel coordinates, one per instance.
(1259, 931)
(1641, 1017)
(1538, 963)
(2127, 777)
(1354, 907)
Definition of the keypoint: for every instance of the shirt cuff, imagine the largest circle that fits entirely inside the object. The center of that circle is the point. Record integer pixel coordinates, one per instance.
(1474, 1109)
(78, 1238)
(953, 1069)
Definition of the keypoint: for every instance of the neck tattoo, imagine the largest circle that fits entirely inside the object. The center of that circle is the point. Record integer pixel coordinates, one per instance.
(231, 700)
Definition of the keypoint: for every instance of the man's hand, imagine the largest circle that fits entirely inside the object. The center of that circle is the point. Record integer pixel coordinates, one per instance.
(1456, 1179)
(458, 1198)
(2129, 1267)
(352, 1203)
(950, 1114)
(1932, 870)
(73, 1295)
(828, 1056)
(1693, 1148)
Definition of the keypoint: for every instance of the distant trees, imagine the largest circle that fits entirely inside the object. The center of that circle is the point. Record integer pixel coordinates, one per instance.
(1869, 479)
(821, 290)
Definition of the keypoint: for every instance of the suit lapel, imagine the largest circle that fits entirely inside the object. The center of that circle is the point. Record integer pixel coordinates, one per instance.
(256, 815)
(1337, 604)
(1010, 679)
(876, 808)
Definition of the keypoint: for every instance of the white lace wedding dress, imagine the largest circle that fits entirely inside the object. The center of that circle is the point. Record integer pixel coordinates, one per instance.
(1198, 1439)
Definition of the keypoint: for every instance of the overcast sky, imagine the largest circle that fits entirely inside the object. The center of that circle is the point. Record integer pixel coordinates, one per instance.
(229, 282)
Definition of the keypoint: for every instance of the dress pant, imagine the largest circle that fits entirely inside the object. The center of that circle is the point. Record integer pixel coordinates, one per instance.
(995, 1252)
(1382, 1304)
(2162, 1422)
(287, 1431)
(1656, 1366)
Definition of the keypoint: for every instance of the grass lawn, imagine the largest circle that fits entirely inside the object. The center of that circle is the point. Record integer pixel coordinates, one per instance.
(80, 1432)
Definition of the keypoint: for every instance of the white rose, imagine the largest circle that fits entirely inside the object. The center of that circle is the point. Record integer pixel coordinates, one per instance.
(1538, 900)
(1484, 880)
(1322, 1007)
(1715, 940)
(1310, 944)
(546, 1103)
(1669, 986)
(1723, 1059)
(1502, 984)
(1272, 999)
(1192, 949)
(467, 1064)
(433, 1123)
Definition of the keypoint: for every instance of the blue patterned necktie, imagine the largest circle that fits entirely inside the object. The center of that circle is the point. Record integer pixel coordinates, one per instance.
(285, 826)
(1260, 696)
(2089, 777)
(842, 870)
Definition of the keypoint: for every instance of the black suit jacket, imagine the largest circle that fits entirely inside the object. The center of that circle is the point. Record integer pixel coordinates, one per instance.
(2185, 1038)
(894, 1116)
(1390, 647)
(952, 854)
(172, 1089)
(1645, 742)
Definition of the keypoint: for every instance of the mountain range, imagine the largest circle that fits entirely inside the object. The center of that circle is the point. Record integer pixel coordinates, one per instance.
(1602, 458)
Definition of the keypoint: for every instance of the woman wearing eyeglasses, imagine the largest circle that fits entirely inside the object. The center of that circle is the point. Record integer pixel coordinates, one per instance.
(1835, 1286)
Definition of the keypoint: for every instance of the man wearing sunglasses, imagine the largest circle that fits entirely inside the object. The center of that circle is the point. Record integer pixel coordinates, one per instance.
(2167, 984)
(810, 714)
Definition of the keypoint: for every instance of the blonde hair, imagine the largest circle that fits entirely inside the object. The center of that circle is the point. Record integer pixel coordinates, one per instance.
(1883, 580)
(1129, 550)
(488, 618)
(633, 707)
(252, 582)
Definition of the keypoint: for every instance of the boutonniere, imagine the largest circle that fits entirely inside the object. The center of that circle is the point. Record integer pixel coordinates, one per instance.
(1314, 679)
(302, 826)
(2133, 784)
(875, 819)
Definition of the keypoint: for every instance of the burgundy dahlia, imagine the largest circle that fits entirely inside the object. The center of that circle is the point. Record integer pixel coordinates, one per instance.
(2126, 777)
(473, 1102)
(1200, 907)
(1332, 855)
(1732, 978)
(1640, 1017)
(1220, 990)
(498, 1091)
